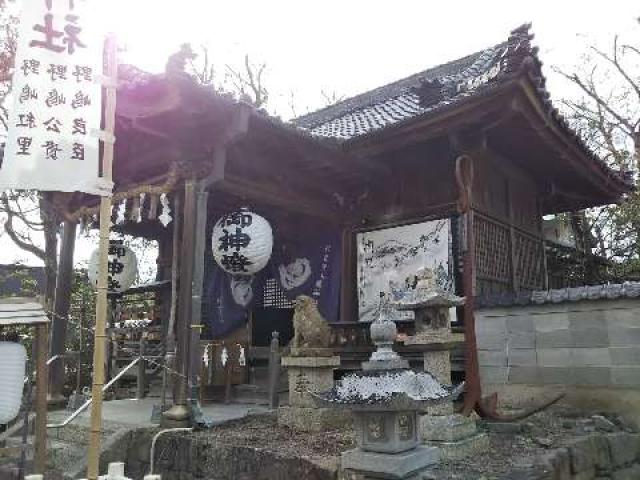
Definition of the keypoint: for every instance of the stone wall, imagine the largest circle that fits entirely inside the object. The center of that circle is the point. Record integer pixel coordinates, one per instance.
(585, 346)
(196, 456)
(611, 456)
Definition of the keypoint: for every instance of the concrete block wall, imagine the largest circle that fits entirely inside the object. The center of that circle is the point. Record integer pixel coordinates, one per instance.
(587, 343)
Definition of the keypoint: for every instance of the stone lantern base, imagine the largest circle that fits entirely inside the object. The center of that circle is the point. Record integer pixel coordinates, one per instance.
(455, 435)
(315, 419)
(358, 464)
(310, 374)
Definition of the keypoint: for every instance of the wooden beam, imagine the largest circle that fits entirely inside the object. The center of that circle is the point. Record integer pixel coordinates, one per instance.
(285, 199)
(469, 141)
(429, 212)
(547, 127)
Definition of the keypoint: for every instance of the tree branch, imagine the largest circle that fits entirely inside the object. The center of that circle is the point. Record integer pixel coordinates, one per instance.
(618, 66)
(593, 94)
(14, 236)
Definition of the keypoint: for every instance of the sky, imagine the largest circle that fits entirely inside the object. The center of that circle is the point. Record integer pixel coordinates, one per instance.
(349, 46)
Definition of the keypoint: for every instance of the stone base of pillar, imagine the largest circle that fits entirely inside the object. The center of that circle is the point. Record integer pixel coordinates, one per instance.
(56, 400)
(308, 375)
(308, 419)
(455, 435)
(178, 416)
(358, 464)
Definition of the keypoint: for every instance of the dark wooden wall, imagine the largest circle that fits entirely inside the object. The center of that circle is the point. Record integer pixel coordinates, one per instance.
(508, 228)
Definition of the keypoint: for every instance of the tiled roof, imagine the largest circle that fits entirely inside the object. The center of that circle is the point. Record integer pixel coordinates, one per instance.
(445, 86)
(402, 100)
(562, 295)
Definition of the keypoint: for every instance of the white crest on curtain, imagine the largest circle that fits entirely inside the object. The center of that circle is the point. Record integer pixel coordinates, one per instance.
(295, 274)
(241, 290)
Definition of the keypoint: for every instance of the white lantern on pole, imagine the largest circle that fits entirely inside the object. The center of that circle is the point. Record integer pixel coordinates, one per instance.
(13, 359)
(122, 267)
(242, 242)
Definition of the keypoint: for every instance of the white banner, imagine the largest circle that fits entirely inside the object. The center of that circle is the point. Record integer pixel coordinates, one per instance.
(52, 142)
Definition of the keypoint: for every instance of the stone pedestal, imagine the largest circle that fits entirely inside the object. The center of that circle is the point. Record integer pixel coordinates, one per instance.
(358, 464)
(438, 344)
(310, 374)
(455, 435)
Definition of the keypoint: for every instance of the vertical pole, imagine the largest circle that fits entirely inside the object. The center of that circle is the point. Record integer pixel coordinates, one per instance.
(274, 370)
(513, 254)
(100, 336)
(142, 369)
(168, 379)
(61, 306)
(179, 414)
(227, 376)
(348, 292)
(202, 197)
(42, 381)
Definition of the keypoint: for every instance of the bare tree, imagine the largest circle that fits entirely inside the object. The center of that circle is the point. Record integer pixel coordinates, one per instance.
(331, 97)
(246, 82)
(608, 117)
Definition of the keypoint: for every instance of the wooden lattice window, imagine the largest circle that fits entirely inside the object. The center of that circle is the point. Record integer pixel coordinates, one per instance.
(492, 250)
(274, 296)
(529, 258)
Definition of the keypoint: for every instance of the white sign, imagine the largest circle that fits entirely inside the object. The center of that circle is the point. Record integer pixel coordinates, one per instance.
(52, 143)
(387, 257)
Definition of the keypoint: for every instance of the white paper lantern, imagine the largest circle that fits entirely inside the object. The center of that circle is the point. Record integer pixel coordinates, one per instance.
(122, 267)
(242, 242)
(13, 358)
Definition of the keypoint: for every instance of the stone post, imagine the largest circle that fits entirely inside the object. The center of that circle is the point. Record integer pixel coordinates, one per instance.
(310, 374)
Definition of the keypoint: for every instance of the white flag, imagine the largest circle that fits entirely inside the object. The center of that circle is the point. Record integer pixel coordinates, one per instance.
(52, 143)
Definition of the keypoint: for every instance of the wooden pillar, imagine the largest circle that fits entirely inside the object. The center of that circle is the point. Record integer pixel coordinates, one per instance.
(348, 290)
(513, 258)
(200, 242)
(64, 284)
(179, 413)
(42, 349)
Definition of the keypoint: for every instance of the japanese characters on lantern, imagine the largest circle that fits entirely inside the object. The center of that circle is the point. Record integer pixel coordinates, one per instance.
(122, 267)
(242, 242)
(52, 142)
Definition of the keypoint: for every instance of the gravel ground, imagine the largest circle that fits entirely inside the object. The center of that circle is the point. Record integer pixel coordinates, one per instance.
(512, 445)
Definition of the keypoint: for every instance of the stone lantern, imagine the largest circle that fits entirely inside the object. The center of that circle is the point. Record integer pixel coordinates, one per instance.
(454, 434)
(385, 399)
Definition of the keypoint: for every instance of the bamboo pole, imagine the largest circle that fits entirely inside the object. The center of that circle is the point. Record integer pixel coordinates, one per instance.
(101, 301)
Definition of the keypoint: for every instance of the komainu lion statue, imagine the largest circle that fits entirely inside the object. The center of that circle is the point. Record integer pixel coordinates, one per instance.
(311, 330)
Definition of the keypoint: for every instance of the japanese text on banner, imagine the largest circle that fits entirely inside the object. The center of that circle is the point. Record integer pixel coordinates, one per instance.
(57, 103)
